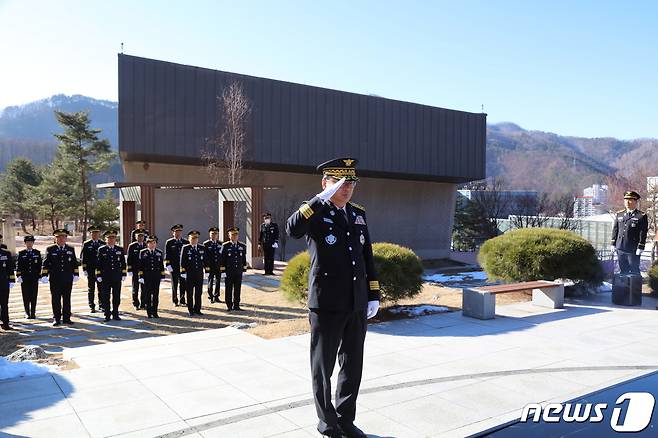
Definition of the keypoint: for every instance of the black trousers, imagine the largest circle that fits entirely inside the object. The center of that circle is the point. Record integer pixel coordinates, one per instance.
(137, 296)
(151, 287)
(177, 281)
(60, 292)
(92, 286)
(111, 291)
(334, 334)
(268, 255)
(4, 303)
(30, 290)
(194, 290)
(629, 263)
(213, 280)
(232, 286)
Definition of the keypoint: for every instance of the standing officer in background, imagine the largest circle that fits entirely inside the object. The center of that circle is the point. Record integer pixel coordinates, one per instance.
(213, 252)
(193, 269)
(268, 241)
(629, 234)
(111, 272)
(343, 292)
(151, 272)
(7, 280)
(61, 267)
(173, 247)
(89, 260)
(28, 273)
(140, 227)
(233, 263)
(133, 267)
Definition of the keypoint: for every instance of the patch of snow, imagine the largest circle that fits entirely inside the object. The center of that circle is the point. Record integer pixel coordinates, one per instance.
(605, 287)
(9, 369)
(419, 310)
(243, 325)
(461, 276)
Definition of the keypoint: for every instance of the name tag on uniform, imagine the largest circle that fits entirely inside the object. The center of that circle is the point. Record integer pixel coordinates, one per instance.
(3, 257)
(69, 252)
(327, 220)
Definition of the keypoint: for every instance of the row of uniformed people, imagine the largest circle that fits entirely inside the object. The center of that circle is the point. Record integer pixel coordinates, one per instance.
(105, 265)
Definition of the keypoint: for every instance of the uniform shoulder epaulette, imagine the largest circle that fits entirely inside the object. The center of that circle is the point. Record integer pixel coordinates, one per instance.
(171, 238)
(241, 243)
(226, 243)
(143, 249)
(187, 244)
(360, 207)
(157, 250)
(621, 211)
(86, 241)
(206, 241)
(54, 245)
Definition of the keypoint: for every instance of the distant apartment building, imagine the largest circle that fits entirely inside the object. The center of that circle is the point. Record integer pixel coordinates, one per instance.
(583, 206)
(598, 193)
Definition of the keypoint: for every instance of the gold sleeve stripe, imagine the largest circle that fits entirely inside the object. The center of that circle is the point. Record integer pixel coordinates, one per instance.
(374, 285)
(306, 211)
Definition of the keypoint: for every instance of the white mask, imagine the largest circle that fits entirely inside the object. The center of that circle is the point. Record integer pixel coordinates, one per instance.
(268, 221)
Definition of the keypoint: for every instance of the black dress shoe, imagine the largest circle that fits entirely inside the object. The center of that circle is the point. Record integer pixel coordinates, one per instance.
(6, 327)
(107, 318)
(116, 318)
(56, 324)
(92, 310)
(332, 433)
(155, 315)
(236, 308)
(68, 322)
(149, 316)
(183, 303)
(351, 431)
(33, 316)
(199, 313)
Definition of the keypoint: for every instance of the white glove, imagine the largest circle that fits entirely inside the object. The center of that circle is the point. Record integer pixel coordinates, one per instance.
(638, 252)
(329, 191)
(75, 278)
(373, 307)
(141, 280)
(123, 278)
(275, 245)
(83, 274)
(205, 275)
(613, 248)
(169, 268)
(43, 280)
(99, 279)
(183, 276)
(19, 279)
(11, 285)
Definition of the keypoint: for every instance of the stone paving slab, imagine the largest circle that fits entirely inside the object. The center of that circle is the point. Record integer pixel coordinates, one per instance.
(437, 375)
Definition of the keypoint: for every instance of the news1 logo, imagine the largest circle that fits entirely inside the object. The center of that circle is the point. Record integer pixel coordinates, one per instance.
(637, 408)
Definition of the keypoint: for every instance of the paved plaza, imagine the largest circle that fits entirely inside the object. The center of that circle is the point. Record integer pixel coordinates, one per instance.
(439, 375)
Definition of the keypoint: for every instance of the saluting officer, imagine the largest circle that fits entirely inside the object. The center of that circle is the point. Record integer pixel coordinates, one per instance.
(233, 262)
(28, 273)
(140, 227)
(268, 241)
(7, 279)
(133, 267)
(629, 234)
(193, 268)
(151, 272)
(343, 292)
(111, 272)
(213, 252)
(61, 268)
(173, 247)
(89, 260)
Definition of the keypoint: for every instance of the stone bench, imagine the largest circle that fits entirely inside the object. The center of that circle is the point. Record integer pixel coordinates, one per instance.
(480, 302)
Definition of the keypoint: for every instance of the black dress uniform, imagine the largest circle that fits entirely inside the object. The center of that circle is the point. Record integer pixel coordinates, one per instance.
(269, 235)
(89, 260)
(61, 265)
(629, 233)
(152, 272)
(133, 233)
(7, 277)
(134, 250)
(233, 263)
(194, 264)
(28, 268)
(213, 252)
(111, 270)
(173, 247)
(342, 279)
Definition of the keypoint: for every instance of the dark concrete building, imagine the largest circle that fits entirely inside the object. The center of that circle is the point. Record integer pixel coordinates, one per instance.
(411, 156)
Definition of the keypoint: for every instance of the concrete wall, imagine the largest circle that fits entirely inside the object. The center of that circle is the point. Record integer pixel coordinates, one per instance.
(418, 215)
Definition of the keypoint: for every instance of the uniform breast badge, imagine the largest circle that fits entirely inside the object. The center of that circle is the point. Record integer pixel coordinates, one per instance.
(330, 239)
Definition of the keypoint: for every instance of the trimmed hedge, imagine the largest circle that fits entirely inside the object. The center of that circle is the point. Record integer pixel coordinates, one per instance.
(398, 268)
(653, 278)
(540, 254)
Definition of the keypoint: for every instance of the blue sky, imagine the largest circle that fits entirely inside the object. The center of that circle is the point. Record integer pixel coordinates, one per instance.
(586, 68)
